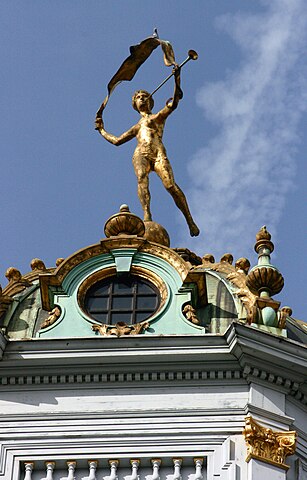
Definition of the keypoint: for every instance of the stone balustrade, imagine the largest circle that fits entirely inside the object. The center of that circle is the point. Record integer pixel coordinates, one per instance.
(115, 469)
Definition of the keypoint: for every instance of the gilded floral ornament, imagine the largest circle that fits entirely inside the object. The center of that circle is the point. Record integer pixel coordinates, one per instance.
(266, 445)
(120, 329)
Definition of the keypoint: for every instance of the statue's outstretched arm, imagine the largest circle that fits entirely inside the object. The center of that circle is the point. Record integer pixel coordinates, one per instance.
(172, 104)
(125, 137)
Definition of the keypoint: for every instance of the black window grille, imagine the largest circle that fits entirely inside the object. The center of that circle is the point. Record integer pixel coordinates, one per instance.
(127, 298)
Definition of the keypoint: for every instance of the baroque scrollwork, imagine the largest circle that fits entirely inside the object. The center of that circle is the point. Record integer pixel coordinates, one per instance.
(120, 329)
(266, 445)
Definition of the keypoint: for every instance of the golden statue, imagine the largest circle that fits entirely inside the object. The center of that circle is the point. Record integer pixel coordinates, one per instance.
(150, 154)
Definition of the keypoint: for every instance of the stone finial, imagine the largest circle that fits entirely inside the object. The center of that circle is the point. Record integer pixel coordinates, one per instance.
(263, 234)
(208, 258)
(265, 280)
(124, 223)
(13, 274)
(37, 264)
(227, 257)
(263, 239)
(242, 265)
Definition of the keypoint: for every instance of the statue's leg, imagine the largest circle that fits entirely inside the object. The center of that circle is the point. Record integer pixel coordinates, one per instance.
(142, 169)
(165, 172)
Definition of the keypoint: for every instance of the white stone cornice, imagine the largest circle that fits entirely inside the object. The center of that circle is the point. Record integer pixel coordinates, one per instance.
(272, 418)
(243, 352)
(190, 377)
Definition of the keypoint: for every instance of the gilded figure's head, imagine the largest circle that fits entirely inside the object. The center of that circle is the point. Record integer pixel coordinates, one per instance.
(142, 99)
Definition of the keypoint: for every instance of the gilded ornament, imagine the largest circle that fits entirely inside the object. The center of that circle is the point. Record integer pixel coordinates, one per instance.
(227, 257)
(154, 232)
(120, 329)
(52, 318)
(59, 261)
(208, 260)
(190, 314)
(242, 265)
(282, 316)
(266, 445)
(17, 283)
(150, 153)
(265, 278)
(124, 223)
(37, 264)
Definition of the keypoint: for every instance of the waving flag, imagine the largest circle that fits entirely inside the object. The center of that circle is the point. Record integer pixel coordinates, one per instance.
(138, 55)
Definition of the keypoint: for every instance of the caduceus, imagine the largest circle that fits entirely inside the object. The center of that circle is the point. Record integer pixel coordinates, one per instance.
(150, 153)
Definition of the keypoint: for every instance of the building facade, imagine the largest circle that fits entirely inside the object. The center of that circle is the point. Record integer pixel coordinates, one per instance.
(131, 359)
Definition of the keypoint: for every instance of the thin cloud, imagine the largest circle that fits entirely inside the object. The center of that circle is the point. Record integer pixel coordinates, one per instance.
(240, 180)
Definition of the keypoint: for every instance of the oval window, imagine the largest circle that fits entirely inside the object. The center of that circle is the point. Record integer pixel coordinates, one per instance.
(126, 298)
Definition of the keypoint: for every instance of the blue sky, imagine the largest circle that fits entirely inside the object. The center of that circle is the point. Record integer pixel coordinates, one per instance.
(237, 141)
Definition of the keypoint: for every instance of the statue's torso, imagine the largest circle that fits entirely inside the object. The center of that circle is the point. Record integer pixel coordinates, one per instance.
(149, 137)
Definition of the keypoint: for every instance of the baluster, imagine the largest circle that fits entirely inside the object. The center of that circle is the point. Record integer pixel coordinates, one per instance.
(71, 470)
(198, 466)
(156, 462)
(113, 474)
(135, 465)
(49, 470)
(92, 466)
(177, 468)
(28, 470)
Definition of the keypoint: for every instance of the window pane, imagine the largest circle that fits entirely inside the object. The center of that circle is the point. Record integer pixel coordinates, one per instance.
(97, 303)
(121, 317)
(101, 317)
(122, 303)
(143, 288)
(103, 290)
(146, 302)
(139, 317)
(122, 287)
